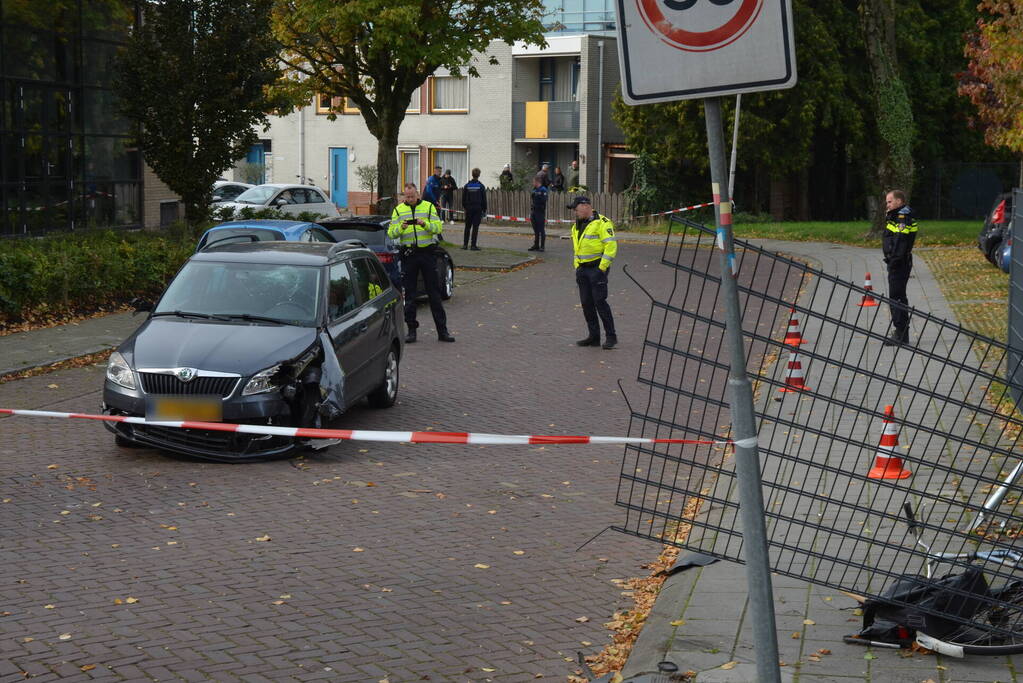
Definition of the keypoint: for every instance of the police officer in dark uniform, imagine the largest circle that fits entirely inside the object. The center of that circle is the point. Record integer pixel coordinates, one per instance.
(897, 247)
(538, 214)
(474, 201)
(417, 227)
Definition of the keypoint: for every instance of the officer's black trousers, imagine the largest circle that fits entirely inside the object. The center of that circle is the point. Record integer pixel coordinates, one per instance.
(592, 283)
(898, 278)
(539, 222)
(425, 261)
(472, 226)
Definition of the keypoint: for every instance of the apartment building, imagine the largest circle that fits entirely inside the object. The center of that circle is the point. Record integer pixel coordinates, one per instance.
(535, 106)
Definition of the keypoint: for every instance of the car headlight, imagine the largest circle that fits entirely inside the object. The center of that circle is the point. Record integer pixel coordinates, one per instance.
(119, 372)
(261, 382)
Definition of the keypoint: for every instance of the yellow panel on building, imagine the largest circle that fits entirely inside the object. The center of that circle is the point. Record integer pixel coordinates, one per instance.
(536, 120)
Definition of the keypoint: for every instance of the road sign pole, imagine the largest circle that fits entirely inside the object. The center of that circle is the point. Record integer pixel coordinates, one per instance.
(744, 429)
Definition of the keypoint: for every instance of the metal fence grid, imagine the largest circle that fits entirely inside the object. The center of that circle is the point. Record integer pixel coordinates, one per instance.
(827, 521)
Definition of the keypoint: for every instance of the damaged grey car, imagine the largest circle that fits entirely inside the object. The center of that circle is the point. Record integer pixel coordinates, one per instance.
(264, 333)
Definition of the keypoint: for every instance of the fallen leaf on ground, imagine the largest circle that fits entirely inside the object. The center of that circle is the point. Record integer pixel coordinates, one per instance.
(678, 622)
(358, 550)
(518, 552)
(52, 386)
(65, 636)
(729, 665)
(582, 620)
(87, 667)
(480, 565)
(263, 539)
(49, 607)
(131, 601)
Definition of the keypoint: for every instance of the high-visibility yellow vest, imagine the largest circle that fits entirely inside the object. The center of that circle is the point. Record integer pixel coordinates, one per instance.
(903, 222)
(415, 235)
(596, 241)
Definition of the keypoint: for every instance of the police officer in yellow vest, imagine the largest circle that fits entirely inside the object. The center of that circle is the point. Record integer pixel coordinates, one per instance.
(595, 246)
(416, 226)
(897, 248)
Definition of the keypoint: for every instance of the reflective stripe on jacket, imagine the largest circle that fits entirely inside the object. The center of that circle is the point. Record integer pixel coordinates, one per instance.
(415, 235)
(595, 241)
(899, 235)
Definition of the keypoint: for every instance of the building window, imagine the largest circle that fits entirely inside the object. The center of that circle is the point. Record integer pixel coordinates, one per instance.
(322, 104)
(546, 79)
(409, 168)
(348, 106)
(576, 68)
(449, 95)
(457, 160)
(415, 102)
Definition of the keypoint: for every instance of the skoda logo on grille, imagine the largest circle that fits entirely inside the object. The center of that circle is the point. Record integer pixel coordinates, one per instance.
(186, 374)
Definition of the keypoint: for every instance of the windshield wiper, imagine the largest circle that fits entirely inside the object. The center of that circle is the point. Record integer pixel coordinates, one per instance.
(253, 318)
(191, 314)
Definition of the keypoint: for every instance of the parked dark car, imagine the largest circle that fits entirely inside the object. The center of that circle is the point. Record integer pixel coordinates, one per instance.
(262, 230)
(372, 231)
(266, 333)
(997, 229)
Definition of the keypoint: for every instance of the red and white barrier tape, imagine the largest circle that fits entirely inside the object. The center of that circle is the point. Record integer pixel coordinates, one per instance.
(572, 220)
(369, 435)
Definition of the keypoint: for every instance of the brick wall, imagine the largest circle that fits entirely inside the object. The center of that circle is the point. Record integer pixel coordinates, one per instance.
(154, 194)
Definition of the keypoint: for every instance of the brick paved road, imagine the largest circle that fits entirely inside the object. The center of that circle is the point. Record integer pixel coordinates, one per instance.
(146, 566)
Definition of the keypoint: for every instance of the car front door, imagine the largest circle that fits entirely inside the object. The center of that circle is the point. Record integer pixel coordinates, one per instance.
(374, 286)
(346, 328)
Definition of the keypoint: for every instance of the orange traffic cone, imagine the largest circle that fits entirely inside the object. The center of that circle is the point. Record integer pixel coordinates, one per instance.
(793, 337)
(868, 298)
(794, 375)
(888, 465)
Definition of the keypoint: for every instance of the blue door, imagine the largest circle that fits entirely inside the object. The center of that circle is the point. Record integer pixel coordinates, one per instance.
(257, 155)
(339, 176)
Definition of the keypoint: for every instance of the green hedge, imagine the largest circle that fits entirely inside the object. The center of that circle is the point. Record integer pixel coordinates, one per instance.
(84, 272)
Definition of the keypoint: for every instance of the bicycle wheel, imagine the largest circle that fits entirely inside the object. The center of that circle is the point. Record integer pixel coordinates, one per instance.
(995, 629)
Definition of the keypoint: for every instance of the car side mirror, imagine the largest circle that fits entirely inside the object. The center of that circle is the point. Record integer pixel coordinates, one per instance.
(281, 202)
(140, 305)
(217, 198)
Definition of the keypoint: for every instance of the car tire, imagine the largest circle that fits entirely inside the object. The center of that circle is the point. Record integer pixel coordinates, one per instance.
(386, 392)
(446, 275)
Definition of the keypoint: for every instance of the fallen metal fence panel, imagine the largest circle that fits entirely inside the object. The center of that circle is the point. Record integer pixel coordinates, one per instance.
(838, 468)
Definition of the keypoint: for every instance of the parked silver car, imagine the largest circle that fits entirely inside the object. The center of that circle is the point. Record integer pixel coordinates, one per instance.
(291, 199)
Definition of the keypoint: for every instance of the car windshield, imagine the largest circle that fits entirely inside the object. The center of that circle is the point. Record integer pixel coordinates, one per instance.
(256, 195)
(281, 293)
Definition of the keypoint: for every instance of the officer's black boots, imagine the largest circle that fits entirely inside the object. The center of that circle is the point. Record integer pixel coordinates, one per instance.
(535, 247)
(589, 341)
(410, 338)
(610, 342)
(898, 338)
(444, 337)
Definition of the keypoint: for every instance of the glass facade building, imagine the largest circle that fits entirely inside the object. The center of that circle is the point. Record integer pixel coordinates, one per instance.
(68, 160)
(580, 16)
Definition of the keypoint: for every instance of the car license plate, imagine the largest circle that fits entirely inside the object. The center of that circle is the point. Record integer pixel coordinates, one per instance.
(174, 408)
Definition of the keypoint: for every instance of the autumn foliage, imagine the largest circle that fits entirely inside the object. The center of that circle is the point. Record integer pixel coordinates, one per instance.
(994, 78)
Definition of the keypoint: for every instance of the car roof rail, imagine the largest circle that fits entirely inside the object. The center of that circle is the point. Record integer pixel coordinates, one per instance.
(347, 244)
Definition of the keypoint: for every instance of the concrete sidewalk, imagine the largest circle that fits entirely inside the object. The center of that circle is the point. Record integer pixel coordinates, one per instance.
(701, 619)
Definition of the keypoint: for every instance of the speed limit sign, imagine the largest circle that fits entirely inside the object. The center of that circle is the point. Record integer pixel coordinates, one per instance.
(683, 49)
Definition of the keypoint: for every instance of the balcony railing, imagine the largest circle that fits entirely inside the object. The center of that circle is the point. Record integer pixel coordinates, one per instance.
(561, 121)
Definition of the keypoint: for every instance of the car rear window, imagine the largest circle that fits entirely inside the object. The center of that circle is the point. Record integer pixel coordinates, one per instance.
(235, 235)
(370, 234)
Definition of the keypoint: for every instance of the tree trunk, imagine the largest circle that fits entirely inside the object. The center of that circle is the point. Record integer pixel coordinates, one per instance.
(388, 183)
(894, 168)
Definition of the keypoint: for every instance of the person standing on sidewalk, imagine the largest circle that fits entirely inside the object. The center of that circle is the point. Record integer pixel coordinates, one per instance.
(474, 202)
(897, 248)
(572, 181)
(416, 226)
(557, 180)
(431, 191)
(447, 197)
(595, 247)
(538, 214)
